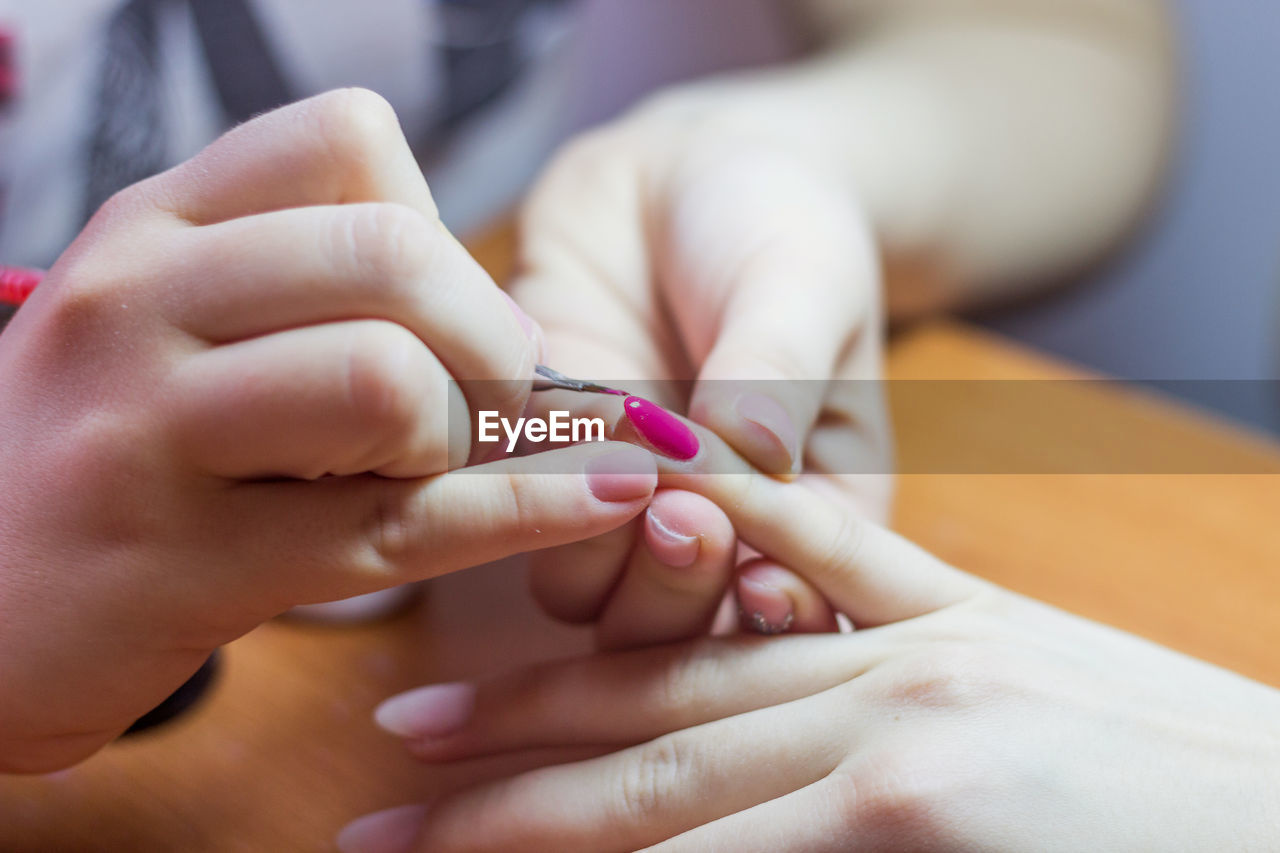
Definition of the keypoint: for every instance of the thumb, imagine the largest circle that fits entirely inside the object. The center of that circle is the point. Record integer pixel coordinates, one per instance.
(330, 539)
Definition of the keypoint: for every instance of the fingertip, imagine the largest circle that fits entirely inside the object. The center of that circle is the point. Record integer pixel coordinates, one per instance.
(672, 585)
(764, 608)
(683, 528)
(669, 547)
(430, 712)
(753, 419)
(389, 831)
(768, 433)
(774, 600)
(622, 473)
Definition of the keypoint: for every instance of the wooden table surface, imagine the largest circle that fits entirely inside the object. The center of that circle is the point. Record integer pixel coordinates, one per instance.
(283, 753)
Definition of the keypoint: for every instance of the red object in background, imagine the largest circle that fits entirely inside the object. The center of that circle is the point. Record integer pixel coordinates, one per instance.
(8, 66)
(16, 284)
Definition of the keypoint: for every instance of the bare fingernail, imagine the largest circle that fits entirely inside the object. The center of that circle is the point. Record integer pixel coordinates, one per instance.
(531, 328)
(673, 549)
(769, 415)
(763, 607)
(626, 474)
(428, 712)
(390, 831)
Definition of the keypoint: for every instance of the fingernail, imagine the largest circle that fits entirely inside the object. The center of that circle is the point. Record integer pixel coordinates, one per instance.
(531, 329)
(764, 608)
(390, 831)
(768, 414)
(664, 431)
(673, 549)
(428, 712)
(626, 474)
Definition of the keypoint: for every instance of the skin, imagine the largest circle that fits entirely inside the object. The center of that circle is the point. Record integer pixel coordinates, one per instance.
(722, 215)
(716, 297)
(263, 306)
(232, 395)
(973, 148)
(958, 716)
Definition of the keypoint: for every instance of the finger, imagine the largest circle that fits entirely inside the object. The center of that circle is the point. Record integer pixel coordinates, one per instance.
(676, 576)
(811, 819)
(850, 449)
(289, 268)
(872, 575)
(801, 258)
(765, 400)
(572, 582)
(633, 696)
(773, 600)
(340, 398)
(641, 795)
(787, 407)
(338, 537)
(335, 148)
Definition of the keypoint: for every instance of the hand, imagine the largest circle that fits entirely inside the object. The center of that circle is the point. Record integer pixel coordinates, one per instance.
(958, 717)
(673, 247)
(205, 404)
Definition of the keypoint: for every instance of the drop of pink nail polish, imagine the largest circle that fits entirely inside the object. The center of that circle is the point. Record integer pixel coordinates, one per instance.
(661, 429)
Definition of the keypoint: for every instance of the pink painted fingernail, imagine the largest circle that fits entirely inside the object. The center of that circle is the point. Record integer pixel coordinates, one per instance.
(390, 831)
(625, 474)
(663, 430)
(531, 329)
(768, 414)
(671, 548)
(763, 607)
(428, 712)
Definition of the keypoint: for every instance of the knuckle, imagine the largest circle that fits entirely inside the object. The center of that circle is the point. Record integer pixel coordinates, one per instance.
(89, 305)
(647, 784)
(384, 389)
(681, 681)
(842, 549)
(355, 124)
(954, 676)
(119, 206)
(389, 244)
(393, 530)
(888, 800)
(518, 501)
(510, 396)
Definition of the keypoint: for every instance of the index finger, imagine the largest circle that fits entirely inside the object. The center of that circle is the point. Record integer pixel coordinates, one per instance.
(867, 572)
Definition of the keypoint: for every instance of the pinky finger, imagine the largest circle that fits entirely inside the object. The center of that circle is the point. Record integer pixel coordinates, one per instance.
(808, 820)
(775, 600)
